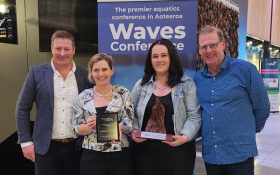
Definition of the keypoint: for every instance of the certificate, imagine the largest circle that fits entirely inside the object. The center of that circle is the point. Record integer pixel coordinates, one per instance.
(155, 136)
(107, 127)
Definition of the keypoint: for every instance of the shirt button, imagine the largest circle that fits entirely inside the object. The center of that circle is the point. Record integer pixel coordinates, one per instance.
(212, 118)
(63, 98)
(63, 86)
(214, 132)
(63, 110)
(214, 78)
(215, 145)
(62, 122)
(212, 90)
(212, 104)
(62, 134)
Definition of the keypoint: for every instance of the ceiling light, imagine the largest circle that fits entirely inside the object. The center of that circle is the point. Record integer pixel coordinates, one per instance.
(2, 8)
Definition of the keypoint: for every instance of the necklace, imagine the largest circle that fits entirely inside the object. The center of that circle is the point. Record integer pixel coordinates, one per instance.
(160, 87)
(103, 95)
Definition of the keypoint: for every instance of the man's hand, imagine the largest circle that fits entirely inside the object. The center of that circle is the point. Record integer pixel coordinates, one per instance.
(179, 140)
(29, 152)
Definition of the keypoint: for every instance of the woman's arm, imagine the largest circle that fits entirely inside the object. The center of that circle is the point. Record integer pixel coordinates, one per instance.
(80, 125)
(193, 111)
(135, 98)
(85, 129)
(127, 113)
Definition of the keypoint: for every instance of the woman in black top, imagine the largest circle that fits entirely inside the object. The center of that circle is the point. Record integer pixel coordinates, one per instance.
(164, 79)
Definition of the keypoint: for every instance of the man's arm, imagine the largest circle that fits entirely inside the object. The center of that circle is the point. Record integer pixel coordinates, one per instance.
(259, 98)
(23, 108)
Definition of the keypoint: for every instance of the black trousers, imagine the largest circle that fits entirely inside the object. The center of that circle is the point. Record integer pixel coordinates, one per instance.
(153, 157)
(242, 168)
(106, 163)
(61, 159)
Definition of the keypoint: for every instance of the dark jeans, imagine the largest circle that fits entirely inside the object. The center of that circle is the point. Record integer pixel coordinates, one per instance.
(106, 163)
(61, 159)
(241, 168)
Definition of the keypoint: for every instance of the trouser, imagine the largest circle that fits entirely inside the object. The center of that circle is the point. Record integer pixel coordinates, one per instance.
(241, 168)
(61, 159)
(106, 163)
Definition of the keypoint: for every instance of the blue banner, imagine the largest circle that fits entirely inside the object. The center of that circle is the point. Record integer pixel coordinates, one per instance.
(131, 27)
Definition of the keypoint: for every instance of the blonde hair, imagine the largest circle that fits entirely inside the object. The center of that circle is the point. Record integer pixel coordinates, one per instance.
(98, 57)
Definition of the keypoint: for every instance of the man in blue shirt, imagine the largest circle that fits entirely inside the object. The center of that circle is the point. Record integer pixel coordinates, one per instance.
(235, 107)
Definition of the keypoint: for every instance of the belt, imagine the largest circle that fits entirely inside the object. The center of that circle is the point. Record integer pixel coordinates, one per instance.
(64, 140)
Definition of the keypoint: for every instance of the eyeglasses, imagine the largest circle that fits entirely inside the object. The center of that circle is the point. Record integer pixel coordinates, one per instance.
(212, 46)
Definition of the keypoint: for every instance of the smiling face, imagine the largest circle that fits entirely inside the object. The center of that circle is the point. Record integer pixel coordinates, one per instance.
(160, 59)
(102, 73)
(63, 52)
(212, 57)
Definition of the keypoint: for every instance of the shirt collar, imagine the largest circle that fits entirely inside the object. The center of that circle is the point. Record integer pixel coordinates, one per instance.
(224, 65)
(151, 80)
(73, 67)
(226, 61)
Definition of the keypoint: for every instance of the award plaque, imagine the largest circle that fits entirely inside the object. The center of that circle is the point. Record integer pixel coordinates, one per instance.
(154, 136)
(107, 127)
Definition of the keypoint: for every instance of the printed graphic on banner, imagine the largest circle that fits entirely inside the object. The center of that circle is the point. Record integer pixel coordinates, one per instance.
(130, 28)
(270, 73)
(8, 23)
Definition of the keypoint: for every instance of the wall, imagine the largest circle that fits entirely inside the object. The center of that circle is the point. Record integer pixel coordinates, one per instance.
(15, 61)
(259, 18)
(13, 70)
(275, 32)
(242, 31)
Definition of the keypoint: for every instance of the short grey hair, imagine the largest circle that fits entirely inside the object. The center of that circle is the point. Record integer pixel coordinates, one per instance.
(210, 29)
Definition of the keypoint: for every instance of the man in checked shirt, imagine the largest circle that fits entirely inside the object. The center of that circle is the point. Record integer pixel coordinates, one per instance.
(234, 104)
(53, 87)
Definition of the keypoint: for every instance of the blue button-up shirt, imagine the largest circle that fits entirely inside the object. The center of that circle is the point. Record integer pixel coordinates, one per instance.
(235, 106)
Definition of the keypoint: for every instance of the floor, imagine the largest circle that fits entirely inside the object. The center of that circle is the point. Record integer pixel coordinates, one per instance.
(268, 143)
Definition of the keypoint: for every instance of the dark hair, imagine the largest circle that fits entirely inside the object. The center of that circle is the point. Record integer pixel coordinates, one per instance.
(64, 35)
(176, 71)
(98, 57)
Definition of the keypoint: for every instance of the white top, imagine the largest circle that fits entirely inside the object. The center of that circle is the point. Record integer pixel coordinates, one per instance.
(65, 93)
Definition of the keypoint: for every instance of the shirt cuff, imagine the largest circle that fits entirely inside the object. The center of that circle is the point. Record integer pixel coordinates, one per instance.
(26, 144)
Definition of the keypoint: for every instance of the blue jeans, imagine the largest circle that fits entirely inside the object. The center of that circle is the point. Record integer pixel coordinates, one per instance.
(241, 168)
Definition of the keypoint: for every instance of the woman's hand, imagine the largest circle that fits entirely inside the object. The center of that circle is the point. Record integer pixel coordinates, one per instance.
(179, 140)
(91, 122)
(87, 128)
(136, 139)
(121, 128)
